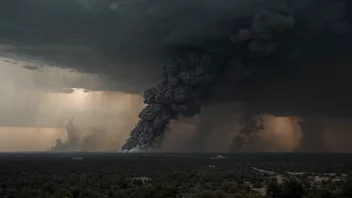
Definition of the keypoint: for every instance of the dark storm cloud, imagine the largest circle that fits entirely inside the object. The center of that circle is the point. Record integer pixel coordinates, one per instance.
(272, 27)
(128, 41)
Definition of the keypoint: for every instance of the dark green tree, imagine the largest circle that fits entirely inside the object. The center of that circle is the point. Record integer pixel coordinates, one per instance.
(273, 190)
(347, 188)
(292, 188)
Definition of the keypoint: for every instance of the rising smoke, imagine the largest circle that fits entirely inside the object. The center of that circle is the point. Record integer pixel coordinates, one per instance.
(92, 141)
(186, 79)
(263, 37)
(179, 93)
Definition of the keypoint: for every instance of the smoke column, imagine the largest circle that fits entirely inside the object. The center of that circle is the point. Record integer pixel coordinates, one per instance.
(184, 81)
(179, 92)
(92, 141)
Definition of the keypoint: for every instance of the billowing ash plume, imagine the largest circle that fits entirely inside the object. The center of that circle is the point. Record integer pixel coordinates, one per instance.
(185, 80)
(180, 92)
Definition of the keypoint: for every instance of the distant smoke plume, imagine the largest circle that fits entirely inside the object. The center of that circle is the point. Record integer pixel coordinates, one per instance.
(251, 125)
(92, 141)
(72, 142)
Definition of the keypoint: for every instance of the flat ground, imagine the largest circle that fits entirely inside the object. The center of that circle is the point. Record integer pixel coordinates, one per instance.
(167, 175)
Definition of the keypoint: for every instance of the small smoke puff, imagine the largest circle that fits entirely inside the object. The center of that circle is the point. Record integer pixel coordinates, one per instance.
(270, 22)
(30, 67)
(137, 150)
(114, 5)
(65, 90)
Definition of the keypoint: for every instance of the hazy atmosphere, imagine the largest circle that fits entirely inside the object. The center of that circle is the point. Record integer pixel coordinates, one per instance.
(175, 76)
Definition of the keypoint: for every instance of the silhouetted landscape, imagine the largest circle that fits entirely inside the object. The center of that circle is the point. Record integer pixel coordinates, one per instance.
(74, 175)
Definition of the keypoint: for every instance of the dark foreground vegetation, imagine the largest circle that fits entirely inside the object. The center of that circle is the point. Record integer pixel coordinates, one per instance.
(103, 175)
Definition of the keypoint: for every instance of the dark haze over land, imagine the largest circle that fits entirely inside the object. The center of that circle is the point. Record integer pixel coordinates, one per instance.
(286, 58)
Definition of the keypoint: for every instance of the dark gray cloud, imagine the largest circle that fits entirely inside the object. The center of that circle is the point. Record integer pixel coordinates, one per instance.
(288, 57)
(266, 36)
(130, 41)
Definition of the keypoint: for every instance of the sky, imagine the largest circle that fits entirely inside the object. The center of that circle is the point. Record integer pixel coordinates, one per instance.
(92, 60)
(36, 104)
